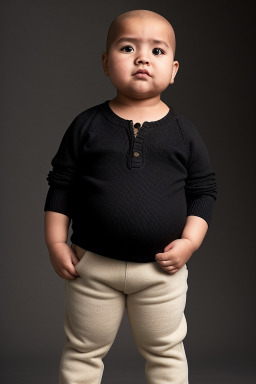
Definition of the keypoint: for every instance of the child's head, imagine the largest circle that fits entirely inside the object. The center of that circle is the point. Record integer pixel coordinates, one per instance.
(140, 39)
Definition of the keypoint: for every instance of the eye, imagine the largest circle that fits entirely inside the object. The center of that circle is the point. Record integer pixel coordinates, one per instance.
(159, 50)
(126, 47)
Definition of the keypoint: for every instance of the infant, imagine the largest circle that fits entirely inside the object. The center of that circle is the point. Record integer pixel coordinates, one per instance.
(135, 179)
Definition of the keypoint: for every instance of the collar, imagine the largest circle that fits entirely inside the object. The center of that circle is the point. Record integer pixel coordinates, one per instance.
(115, 119)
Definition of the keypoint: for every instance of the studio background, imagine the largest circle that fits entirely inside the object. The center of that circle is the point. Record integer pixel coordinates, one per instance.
(50, 72)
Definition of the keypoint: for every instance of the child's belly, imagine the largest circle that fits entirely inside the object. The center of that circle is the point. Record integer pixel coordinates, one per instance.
(128, 222)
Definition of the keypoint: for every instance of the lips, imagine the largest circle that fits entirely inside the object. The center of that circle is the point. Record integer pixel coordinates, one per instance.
(143, 71)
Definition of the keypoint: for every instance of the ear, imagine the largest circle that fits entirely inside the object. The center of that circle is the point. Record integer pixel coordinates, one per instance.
(105, 62)
(175, 67)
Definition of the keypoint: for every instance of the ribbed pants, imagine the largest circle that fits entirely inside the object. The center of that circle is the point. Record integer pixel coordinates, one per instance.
(95, 305)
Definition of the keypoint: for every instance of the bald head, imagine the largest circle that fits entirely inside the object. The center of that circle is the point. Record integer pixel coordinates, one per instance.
(144, 14)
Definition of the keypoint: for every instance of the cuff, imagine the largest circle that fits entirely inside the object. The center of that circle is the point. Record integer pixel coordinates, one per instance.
(59, 200)
(202, 207)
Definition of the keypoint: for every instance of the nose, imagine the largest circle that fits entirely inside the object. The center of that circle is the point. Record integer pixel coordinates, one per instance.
(142, 60)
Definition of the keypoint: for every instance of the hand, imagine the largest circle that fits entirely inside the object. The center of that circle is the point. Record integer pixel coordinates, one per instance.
(63, 260)
(175, 255)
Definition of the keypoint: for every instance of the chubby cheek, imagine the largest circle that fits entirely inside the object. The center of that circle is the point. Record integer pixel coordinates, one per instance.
(119, 70)
(165, 77)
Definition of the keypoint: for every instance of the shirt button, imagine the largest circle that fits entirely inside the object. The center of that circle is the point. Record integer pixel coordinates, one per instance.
(136, 154)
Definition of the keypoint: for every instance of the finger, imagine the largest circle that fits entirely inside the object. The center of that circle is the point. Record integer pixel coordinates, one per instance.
(165, 269)
(171, 267)
(160, 257)
(66, 275)
(168, 268)
(71, 269)
(163, 257)
(74, 260)
(173, 271)
(74, 257)
(167, 263)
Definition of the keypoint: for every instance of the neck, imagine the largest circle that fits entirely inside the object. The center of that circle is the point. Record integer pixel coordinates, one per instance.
(124, 102)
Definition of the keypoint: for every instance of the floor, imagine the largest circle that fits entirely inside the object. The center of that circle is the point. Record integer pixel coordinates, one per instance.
(47, 375)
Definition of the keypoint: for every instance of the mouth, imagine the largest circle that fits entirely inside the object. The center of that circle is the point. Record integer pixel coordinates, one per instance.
(142, 73)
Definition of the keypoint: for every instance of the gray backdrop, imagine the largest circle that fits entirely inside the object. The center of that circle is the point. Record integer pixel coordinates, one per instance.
(51, 71)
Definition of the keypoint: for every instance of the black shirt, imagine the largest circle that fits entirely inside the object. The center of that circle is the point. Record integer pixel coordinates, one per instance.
(128, 197)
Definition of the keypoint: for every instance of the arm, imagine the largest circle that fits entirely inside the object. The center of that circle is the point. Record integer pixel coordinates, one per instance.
(59, 202)
(195, 231)
(201, 192)
(61, 255)
(62, 177)
(200, 184)
(56, 228)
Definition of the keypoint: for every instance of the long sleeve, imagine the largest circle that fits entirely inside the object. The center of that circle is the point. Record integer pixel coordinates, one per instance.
(62, 177)
(200, 187)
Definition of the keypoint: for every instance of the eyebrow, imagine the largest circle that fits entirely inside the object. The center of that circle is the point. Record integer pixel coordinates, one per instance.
(135, 39)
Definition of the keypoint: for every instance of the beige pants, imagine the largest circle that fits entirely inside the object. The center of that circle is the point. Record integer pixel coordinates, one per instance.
(95, 305)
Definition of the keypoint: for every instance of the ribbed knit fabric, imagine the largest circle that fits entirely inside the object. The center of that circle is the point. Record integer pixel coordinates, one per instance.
(135, 192)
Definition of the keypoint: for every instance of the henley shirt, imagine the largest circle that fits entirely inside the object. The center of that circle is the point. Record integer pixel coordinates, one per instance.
(128, 195)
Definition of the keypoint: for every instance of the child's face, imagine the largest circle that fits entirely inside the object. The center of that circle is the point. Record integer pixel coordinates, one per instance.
(128, 56)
